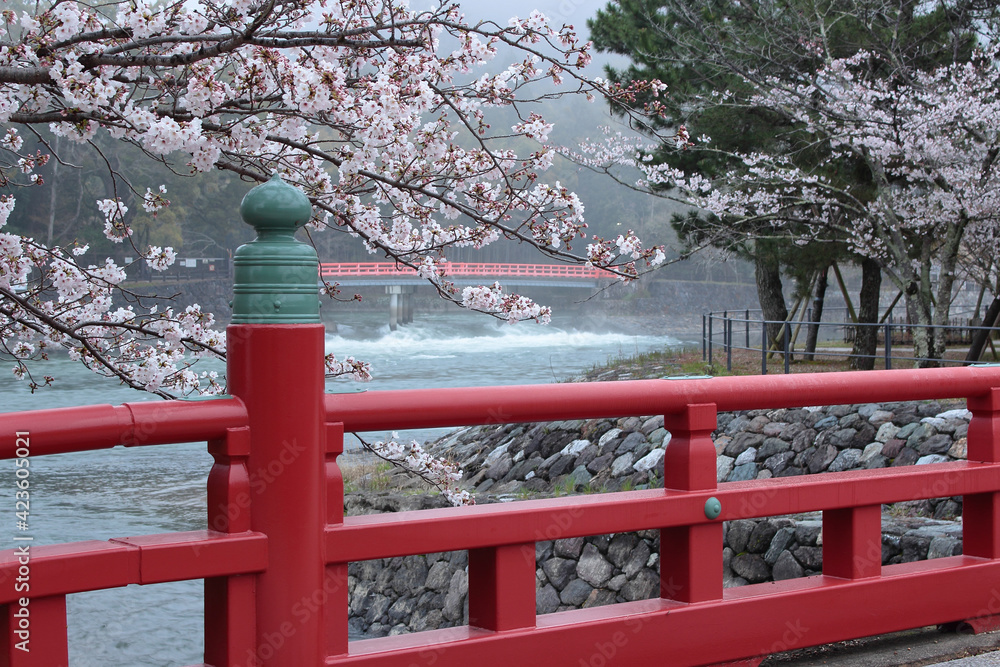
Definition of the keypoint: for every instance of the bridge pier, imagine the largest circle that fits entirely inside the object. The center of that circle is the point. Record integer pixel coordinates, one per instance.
(400, 305)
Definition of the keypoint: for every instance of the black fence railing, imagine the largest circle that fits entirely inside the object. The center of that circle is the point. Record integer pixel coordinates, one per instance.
(724, 332)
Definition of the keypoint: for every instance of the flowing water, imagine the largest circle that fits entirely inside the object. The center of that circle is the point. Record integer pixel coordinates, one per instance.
(124, 492)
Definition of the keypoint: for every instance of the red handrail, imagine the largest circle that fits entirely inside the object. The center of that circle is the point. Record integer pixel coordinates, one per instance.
(465, 269)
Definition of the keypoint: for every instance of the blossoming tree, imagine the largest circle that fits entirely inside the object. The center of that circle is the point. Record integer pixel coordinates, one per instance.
(375, 110)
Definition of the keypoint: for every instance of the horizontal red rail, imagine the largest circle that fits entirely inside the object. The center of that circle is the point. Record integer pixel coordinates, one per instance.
(131, 424)
(457, 269)
(61, 569)
(451, 529)
(433, 408)
(758, 616)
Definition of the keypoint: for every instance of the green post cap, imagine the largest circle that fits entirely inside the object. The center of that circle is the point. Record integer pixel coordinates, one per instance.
(713, 508)
(276, 276)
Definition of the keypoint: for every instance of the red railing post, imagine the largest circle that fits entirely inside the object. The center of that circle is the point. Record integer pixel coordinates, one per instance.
(43, 643)
(981, 511)
(275, 366)
(335, 598)
(229, 601)
(852, 542)
(502, 587)
(691, 556)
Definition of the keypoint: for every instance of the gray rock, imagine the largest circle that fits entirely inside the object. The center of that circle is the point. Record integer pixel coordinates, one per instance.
(941, 547)
(779, 543)
(546, 600)
(622, 465)
(575, 592)
(872, 450)
(659, 438)
(932, 458)
(846, 460)
(880, 417)
(960, 449)
(617, 582)
(748, 456)
(774, 429)
(569, 547)
(599, 597)
(810, 558)
(738, 534)
(631, 441)
(402, 609)
(907, 457)
(757, 424)
(620, 548)
(645, 585)
(500, 468)
(609, 436)
(826, 422)
(496, 455)
(751, 567)
(771, 447)
(779, 462)
(803, 440)
(907, 430)
(822, 457)
(914, 546)
(592, 567)
(637, 560)
(935, 444)
(650, 461)
(559, 571)
(742, 442)
(786, 567)
(439, 576)
(651, 424)
(600, 463)
(959, 413)
(580, 477)
(723, 466)
(867, 410)
(454, 601)
(760, 538)
(743, 473)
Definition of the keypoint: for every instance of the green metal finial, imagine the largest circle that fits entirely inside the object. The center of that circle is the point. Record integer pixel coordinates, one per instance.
(713, 508)
(277, 277)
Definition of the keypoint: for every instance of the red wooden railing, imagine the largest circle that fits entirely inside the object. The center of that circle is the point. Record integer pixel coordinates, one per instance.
(275, 556)
(460, 269)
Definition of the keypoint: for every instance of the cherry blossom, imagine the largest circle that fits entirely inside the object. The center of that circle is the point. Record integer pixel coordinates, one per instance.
(380, 113)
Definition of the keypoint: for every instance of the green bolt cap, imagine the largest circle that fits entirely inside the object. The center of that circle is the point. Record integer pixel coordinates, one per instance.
(713, 508)
(275, 206)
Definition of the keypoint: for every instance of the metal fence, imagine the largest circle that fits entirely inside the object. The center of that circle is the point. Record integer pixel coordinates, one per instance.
(726, 331)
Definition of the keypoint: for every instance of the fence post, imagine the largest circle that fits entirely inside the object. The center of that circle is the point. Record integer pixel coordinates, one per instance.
(709, 338)
(981, 511)
(786, 344)
(763, 347)
(729, 345)
(888, 346)
(691, 556)
(275, 366)
(704, 348)
(746, 326)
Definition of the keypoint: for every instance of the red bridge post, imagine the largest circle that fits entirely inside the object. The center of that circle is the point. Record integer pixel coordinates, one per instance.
(275, 366)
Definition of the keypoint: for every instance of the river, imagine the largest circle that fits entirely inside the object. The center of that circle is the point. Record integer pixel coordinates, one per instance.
(125, 492)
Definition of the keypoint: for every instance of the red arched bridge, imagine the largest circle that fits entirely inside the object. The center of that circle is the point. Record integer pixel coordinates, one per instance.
(400, 281)
(542, 275)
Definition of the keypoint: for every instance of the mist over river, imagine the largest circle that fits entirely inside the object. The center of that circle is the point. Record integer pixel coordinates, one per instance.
(142, 490)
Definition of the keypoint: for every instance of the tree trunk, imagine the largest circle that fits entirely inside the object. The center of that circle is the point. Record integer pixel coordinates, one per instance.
(767, 272)
(812, 333)
(919, 313)
(980, 337)
(866, 337)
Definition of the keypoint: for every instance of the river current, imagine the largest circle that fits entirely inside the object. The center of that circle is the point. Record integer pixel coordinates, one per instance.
(126, 492)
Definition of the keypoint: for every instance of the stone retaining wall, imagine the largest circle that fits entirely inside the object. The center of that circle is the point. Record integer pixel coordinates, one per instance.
(503, 462)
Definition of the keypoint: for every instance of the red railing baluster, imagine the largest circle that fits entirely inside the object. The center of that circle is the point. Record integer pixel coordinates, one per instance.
(852, 542)
(229, 601)
(981, 511)
(691, 556)
(38, 639)
(502, 587)
(335, 597)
